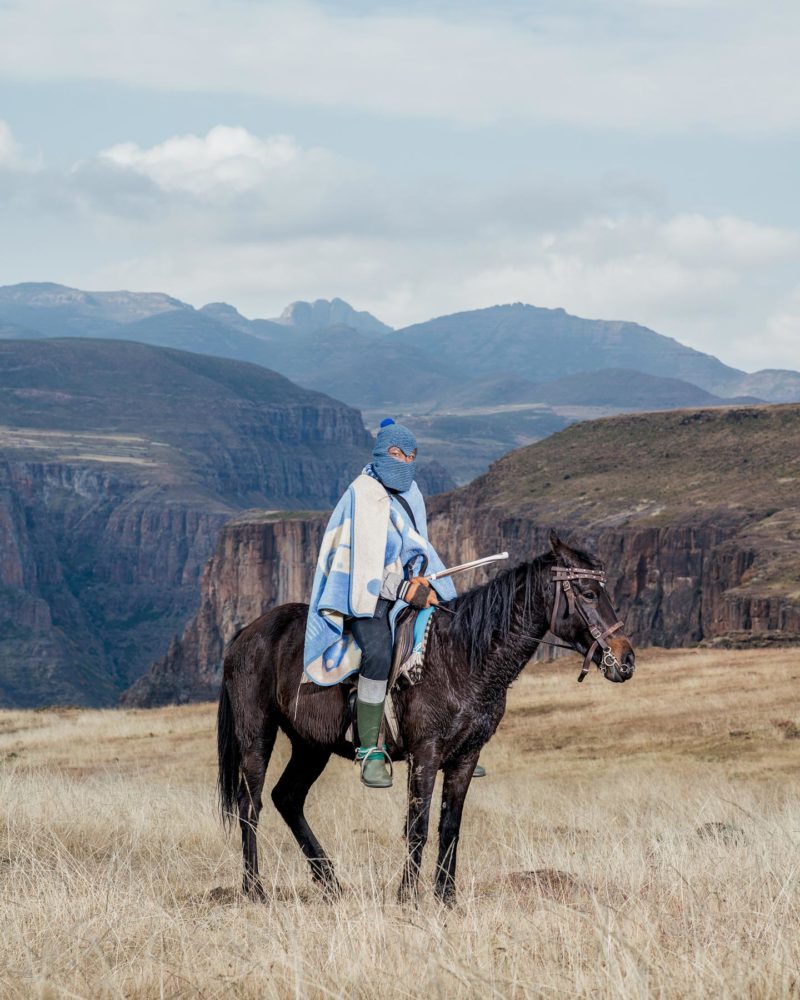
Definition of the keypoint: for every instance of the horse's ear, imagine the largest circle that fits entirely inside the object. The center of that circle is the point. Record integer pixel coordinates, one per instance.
(561, 550)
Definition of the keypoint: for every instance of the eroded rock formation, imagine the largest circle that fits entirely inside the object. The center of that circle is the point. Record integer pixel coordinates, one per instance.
(701, 544)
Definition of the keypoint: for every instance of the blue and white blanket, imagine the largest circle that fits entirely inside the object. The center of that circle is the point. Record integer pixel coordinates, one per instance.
(368, 534)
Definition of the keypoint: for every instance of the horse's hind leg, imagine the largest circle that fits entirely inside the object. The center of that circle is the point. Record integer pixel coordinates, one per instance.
(305, 765)
(251, 782)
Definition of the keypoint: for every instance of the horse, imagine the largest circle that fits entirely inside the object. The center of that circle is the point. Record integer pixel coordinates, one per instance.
(473, 654)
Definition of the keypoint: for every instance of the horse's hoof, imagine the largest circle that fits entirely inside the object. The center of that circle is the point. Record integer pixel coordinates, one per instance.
(254, 891)
(446, 897)
(407, 894)
(332, 891)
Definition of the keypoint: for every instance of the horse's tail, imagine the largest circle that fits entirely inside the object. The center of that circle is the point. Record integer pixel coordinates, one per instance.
(229, 757)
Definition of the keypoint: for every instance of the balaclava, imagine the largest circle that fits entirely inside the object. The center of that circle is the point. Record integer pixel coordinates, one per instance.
(393, 474)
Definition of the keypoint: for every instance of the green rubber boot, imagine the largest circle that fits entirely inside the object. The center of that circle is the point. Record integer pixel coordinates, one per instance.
(374, 772)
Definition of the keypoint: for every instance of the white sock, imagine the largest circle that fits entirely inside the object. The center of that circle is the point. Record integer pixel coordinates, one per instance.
(371, 692)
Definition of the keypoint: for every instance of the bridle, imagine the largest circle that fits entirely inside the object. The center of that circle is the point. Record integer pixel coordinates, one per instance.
(564, 577)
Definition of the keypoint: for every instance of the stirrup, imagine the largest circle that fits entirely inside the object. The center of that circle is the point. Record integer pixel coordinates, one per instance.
(363, 754)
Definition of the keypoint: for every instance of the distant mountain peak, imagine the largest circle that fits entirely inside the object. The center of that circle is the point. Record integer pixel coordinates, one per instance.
(119, 306)
(330, 312)
(222, 312)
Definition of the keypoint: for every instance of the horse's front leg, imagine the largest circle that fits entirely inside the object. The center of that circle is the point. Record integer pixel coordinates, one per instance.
(456, 783)
(422, 770)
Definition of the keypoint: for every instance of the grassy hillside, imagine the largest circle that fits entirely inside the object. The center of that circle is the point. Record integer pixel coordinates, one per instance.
(654, 467)
(178, 417)
(630, 841)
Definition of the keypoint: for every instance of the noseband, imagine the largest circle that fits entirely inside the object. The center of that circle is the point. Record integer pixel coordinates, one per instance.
(564, 577)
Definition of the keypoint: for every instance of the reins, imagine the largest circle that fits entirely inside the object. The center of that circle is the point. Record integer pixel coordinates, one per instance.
(564, 577)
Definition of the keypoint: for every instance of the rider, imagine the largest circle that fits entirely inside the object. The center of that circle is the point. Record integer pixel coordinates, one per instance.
(372, 562)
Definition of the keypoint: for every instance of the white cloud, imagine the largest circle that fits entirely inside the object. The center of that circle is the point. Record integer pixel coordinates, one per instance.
(655, 66)
(11, 154)
(227, 161)
(260, 221)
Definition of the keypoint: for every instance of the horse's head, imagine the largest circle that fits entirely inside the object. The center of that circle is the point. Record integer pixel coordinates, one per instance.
(582, 613)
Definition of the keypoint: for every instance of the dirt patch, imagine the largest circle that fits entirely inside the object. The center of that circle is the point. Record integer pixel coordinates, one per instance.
(790, 729)
(725, 833)
(552, 883)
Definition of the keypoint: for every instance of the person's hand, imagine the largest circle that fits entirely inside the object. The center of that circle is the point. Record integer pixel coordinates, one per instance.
(418, 592)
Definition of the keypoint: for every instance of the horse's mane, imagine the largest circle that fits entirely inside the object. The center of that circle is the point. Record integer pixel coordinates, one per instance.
(488, 609)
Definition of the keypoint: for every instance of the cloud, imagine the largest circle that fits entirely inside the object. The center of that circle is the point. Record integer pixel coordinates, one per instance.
(654, 66)
(227, 161)
(11, 154)
(228, 184)
(233, 182)
(260, 221)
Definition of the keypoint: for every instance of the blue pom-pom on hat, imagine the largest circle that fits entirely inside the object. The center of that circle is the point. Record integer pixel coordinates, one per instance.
(386, 421)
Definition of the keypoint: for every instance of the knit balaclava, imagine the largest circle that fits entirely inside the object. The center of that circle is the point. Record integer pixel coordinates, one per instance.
(394, 475)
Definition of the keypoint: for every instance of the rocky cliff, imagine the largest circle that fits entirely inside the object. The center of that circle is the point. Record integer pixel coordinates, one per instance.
(119, 462)
(696, 515)
(260, 560)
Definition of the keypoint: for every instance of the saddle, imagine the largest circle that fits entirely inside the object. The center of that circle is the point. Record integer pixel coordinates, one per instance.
(408, 657)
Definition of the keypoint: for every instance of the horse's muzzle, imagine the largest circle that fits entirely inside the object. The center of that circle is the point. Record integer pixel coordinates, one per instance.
(628, 665)
(618, 664)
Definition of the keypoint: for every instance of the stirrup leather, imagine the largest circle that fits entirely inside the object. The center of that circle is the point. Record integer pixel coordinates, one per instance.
(363, 754)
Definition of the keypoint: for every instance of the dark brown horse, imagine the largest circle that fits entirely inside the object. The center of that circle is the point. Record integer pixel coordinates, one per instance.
(473, 654)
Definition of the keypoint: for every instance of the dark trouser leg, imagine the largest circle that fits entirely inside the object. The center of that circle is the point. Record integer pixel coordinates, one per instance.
(374, 637)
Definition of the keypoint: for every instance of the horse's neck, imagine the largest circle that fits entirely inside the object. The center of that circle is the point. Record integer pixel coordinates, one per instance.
(508, 659)
(501, 666)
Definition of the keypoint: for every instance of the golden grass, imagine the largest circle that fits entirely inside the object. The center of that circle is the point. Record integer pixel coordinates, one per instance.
(637, 840)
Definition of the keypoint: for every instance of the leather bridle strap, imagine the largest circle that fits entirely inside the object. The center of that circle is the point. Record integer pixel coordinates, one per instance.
(599, 640)
(565, 576)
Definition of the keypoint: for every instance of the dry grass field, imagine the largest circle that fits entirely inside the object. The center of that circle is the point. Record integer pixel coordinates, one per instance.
(637, 840)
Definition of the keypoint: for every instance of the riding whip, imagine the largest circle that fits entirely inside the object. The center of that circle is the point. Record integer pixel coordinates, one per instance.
(468, 565)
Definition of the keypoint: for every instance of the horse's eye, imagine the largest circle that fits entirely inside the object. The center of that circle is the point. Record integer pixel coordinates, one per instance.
(589, 595)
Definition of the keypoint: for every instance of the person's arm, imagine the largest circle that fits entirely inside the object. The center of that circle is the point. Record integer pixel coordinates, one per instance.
(417, 591)
(391, 584)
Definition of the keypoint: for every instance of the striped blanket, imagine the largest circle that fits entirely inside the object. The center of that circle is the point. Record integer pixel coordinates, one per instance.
(368, 534)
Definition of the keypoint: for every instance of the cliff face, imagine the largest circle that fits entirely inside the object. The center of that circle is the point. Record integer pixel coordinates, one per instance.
(673, 586)
(259, 561)
(96, 573)
(118, 465)
(685, 566)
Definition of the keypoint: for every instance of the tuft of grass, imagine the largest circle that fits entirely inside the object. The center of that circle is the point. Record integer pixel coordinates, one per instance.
(636, 840)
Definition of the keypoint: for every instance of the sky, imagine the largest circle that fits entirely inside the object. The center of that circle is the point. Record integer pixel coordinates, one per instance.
(625, 159)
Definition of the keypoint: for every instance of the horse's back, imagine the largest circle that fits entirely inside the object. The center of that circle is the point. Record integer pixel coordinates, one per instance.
(262, 652)
(286, 621)
(264, 671)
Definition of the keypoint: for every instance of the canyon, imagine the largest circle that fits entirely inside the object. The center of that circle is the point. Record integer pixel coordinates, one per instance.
(695, 514)
(119, 463)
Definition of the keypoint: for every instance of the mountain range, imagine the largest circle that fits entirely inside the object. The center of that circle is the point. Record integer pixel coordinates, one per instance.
(473, 384)
(122, 454)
